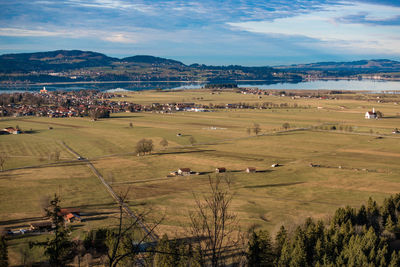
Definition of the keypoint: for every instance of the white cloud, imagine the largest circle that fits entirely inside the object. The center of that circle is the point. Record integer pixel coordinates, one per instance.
(326, 26)
(111, 36)
(120, 38)
(112, 4)
(18, 32)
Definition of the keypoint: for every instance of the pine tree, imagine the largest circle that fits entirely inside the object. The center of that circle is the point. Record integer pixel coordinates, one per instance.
(165, 250)
(395, 259)
(260, 252)
(280, 240)
(59, 248)
(3, 252)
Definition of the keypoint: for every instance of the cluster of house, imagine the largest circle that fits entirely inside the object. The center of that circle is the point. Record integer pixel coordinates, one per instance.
(188, 171)
(69, 216)
(62, 104)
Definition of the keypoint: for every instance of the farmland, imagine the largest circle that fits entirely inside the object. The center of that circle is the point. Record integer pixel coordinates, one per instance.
(352, 165)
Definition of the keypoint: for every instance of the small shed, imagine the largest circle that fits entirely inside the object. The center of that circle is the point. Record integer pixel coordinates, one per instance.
(184, 171)
(12, 130)
(220, 170)
(41, 226)
(251, 170)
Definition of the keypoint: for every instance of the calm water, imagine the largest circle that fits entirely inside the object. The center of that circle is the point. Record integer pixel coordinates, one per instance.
(355, 85)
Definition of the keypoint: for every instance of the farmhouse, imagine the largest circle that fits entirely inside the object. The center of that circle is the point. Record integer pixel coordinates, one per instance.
(220, 170)
(251, 170)
(184, 171)
(371, 114)
(11, 130)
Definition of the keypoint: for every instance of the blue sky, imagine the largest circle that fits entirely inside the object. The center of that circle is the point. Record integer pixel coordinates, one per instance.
(209, 32)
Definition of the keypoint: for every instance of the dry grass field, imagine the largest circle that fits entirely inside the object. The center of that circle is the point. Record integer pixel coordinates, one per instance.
(352, 165)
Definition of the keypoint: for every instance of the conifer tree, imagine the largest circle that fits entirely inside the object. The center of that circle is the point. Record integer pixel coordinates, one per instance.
(3, 252)
(260, 252)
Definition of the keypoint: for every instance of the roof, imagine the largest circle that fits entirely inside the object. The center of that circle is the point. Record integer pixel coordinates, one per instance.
(64, 212)
(42, 224)
(221, 169)
(251, 168)
(184, 169)
(371, 113)
(10, 129)
(70, 216)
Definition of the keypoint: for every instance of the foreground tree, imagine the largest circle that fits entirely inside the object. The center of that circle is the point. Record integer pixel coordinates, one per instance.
(173, 253)
(144, 146)
(131, 238)
(260, 251)
(3, 251)
(59, 248)
(213, 225)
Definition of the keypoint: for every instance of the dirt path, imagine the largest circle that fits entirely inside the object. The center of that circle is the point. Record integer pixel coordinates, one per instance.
(113, 194)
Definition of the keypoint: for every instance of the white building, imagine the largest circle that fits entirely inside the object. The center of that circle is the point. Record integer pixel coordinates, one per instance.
(371, 114)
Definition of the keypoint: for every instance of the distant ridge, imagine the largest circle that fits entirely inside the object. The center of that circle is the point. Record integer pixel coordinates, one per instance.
(77, 66)
(152, 60)
(58, 60)
(364, 65)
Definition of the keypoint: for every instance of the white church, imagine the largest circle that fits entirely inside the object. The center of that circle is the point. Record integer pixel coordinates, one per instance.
(371, 114)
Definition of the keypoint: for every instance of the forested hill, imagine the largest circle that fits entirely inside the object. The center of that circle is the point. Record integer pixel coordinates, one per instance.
(361, 66)
(62, 60)
(76, 65)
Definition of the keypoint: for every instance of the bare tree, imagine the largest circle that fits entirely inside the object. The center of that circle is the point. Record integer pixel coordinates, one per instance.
(213, 226)
(256, 128)
(192, 140)
(144, 146)
(3, 158)
(126, 242)
(164, 142)
(248, 130)
(44, 203)
(131, 124)
(286, 125)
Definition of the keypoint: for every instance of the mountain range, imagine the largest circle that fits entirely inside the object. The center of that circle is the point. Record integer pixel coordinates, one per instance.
(76, 65)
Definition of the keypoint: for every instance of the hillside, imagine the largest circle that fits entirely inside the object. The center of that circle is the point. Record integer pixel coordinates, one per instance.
(361, 66)
(59, 60)
(77, 66)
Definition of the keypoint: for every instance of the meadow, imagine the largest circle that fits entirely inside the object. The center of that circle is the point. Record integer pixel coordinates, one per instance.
(352, 165)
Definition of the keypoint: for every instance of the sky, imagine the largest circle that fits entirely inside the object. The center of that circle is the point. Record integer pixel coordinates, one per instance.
(214, 32)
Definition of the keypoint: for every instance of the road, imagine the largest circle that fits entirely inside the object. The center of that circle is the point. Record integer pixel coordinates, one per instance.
(125, 207)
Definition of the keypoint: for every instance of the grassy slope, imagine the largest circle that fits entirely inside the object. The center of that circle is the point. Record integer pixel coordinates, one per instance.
(269, 198)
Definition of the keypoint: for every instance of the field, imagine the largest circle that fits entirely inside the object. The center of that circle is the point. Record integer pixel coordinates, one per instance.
(353, 165)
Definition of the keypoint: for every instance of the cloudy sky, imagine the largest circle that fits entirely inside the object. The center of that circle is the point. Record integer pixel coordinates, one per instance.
(209, 31)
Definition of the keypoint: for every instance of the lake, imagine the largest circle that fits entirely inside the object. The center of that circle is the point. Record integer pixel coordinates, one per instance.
(354, 85)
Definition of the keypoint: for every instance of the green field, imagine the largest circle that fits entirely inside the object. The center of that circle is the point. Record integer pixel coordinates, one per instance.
(368, 157)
